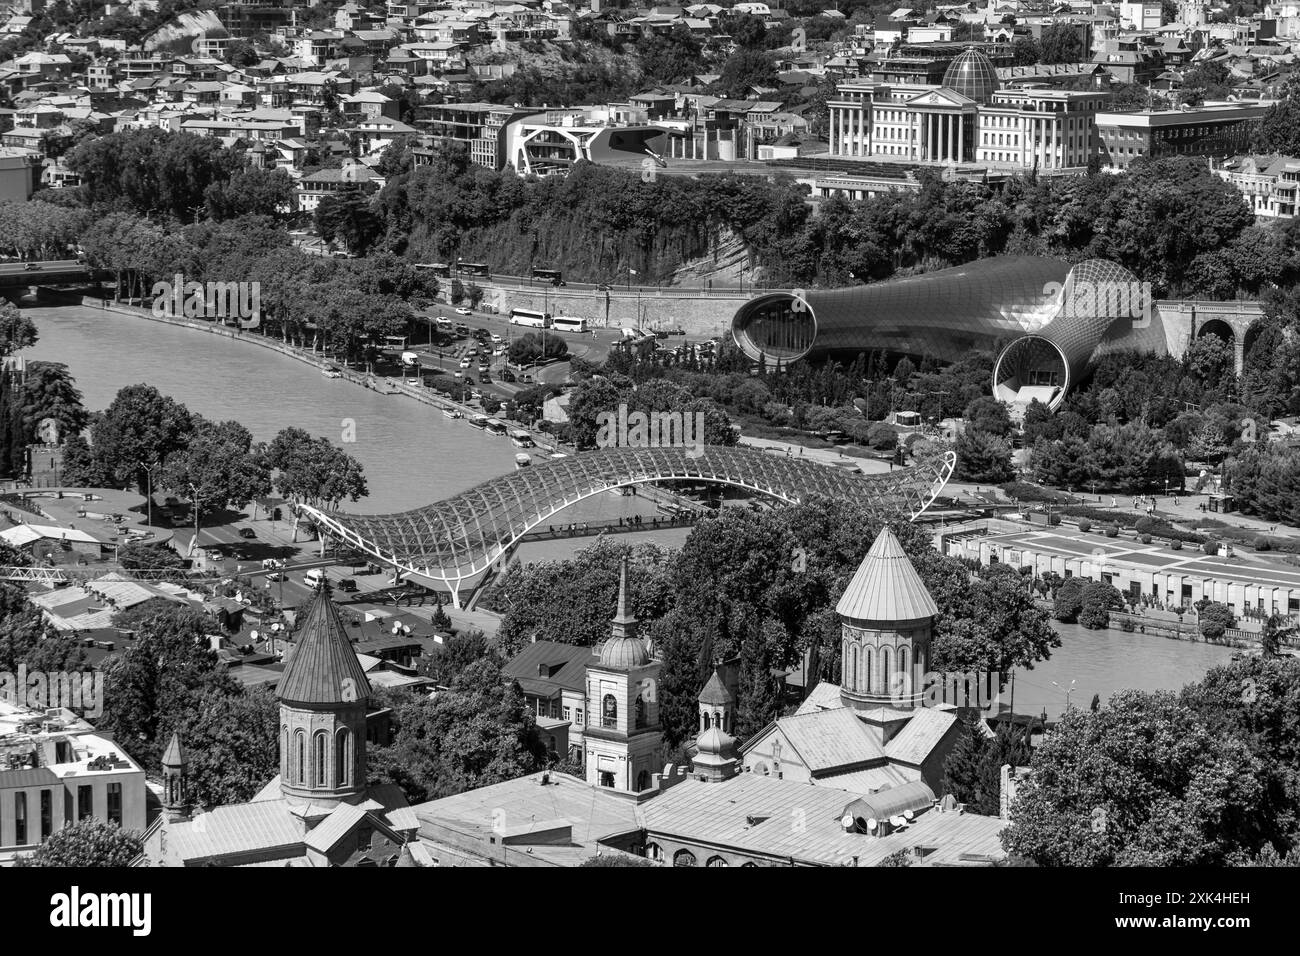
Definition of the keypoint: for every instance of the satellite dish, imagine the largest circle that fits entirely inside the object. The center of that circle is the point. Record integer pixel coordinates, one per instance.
(406, 629)
(397, 628)
(253, 634)
(847, 821)
(895, 821)
(275, 627)
(871, 823)
(908, 814)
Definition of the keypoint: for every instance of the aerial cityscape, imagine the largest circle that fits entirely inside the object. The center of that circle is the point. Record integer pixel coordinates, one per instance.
(524, 433)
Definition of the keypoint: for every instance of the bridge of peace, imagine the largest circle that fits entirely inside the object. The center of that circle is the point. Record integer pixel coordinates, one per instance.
(456, 542)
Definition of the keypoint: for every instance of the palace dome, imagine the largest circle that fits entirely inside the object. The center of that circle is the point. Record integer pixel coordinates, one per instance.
(973, 75)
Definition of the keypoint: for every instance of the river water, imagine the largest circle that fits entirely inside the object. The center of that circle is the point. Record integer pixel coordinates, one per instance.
(413, 456)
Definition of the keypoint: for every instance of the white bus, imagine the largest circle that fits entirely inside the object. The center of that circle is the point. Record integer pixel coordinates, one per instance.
(569, 323)
(535, 320)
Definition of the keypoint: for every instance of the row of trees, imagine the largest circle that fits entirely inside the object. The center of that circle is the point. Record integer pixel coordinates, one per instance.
(146, 438)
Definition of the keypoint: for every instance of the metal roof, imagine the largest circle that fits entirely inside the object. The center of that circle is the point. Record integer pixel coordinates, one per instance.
(886, 587)
(324, 668)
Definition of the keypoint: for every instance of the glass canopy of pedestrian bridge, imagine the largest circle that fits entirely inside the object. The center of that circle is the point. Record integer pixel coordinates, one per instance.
(457, 539)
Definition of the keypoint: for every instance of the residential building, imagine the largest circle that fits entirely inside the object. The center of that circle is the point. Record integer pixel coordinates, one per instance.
(1269, 183)
(56, 771)
(1223, 129)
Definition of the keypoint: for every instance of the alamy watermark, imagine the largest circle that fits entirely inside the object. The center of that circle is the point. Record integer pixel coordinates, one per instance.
(208, 300)
(78, 691)
(624, 429)
(1114, 299)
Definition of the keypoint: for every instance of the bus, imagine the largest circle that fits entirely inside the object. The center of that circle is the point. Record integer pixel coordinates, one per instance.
(569, 323)
(473, 268)
(440, 269)
(553, 276)
(535, 320)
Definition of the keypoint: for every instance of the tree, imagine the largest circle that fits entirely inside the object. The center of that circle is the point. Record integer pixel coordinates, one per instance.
(86, 843)
(972, 771)
(313, 471)
(1214, 620)
(232, 739)
(50, 392)
(1025, 51)
(744, 70)
(17, 331)
(138, 554)
(474, 735)
(1141, 782)
(759, 694)
(1096, 602)
(250, 192)
(149, 689)
(1061, 43)
(347, 215)
(982, 457)
(530, 348)
(1068, 601)
(988, 415)
(217, 468)
(458, 653)
(140, 429)
(79, 467)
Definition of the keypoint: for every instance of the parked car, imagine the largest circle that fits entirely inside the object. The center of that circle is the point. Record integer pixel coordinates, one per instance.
(465, 362)
(247, 533)
(464, 311)
(347, 584)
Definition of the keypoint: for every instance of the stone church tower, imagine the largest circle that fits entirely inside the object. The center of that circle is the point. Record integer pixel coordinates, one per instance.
(886, 619)
(323, 693)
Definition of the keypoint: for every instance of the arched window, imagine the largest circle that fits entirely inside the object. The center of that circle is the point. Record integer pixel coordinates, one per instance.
(342, 757)
(609, 711)
(743, 865)
(300, 748)
(684, 858)
(902, 660)
(884, 670)
(866, 680)
(640, 712)
(853, 668)
(319, 756)
(704, 720)
(717, 861)
(653, 851)
(643, 780)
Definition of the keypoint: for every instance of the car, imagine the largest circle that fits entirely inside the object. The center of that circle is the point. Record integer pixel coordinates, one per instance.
(465, 363)
(462, 328)
(275, 576)
(486, 377)
(31, 266)
(347, 584)
(464, 311)
(459, 376)
(497, 339)
(247, 533)
(603, 287)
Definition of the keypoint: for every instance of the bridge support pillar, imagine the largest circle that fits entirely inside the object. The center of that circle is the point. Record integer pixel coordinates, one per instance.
(1238, 354)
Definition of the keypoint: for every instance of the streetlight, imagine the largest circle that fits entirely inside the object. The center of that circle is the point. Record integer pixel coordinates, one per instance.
(1068, 691)
(148, 476)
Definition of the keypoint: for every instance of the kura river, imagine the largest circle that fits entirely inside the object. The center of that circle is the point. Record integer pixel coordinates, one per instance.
(413, 456)
(411, 453)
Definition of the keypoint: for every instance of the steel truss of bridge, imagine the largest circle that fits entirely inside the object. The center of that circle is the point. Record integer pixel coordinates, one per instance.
(460, 538)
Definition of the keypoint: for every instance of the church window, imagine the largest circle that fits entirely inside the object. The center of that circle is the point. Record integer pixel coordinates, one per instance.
(683, 858)
(902, 660)
(653, 851)
(884, 667)
(319, 775)
(853, 669)
(640, 712)
(717, 861)
(301, 751)
(609, 711)
(342, 757)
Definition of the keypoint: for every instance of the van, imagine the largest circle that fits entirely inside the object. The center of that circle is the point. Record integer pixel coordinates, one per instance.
(314, 577)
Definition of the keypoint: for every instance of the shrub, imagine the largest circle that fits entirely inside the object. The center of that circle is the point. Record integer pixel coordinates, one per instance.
(1215, 619)
(1098, 600)
(1145, 524)
(1085, 524)
(1069, 601)
(1210, 547)
(1146, 539)
(1261, 544)
(1112, 532)
(1176, 545)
